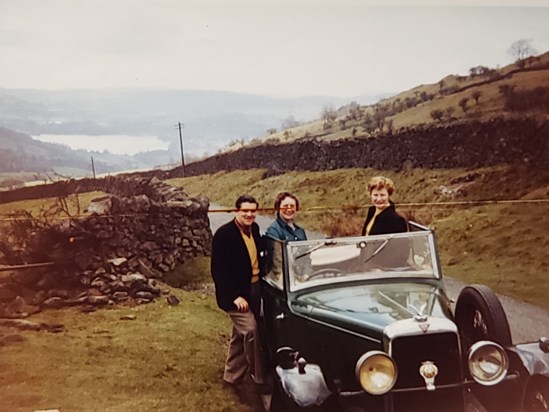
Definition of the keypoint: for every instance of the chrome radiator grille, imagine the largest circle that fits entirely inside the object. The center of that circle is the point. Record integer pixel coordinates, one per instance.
(410, 351)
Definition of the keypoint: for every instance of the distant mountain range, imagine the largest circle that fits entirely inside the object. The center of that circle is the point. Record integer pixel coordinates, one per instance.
(211, 120)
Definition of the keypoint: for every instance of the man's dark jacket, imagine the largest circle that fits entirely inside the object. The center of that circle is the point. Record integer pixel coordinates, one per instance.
(388, 221)
(230, 264)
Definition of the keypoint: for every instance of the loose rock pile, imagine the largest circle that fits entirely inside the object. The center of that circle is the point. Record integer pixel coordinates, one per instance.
(135, 235)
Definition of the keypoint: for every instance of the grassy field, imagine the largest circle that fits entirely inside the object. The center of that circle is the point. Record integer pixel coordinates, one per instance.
(496, 243)
(75, 205)
(169, 358)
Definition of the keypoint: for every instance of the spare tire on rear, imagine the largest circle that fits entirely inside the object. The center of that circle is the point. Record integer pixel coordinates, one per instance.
(479, 315)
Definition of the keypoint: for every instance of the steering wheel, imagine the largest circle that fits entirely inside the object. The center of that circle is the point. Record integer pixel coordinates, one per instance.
(325, 273)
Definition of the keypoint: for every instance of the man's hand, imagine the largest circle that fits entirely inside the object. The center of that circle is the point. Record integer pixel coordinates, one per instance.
(241, 304)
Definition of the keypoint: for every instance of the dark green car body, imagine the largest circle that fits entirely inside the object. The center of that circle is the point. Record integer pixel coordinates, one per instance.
(331, 301)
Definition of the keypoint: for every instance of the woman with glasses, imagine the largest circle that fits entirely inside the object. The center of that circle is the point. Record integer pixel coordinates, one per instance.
(284, 227)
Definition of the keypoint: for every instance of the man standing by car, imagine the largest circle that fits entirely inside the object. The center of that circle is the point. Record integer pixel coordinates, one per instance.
(235, 270)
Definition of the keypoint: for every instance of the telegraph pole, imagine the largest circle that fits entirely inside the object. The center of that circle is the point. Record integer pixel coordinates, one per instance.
(180, 125)
(93, 167)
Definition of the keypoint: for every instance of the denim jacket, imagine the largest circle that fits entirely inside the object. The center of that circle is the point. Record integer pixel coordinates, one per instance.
(280, 230)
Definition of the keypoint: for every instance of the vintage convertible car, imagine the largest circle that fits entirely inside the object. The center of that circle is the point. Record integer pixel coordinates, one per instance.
(365, 324)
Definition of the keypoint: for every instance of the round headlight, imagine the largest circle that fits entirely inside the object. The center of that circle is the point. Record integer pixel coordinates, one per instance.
(488, 363)
(377, 372)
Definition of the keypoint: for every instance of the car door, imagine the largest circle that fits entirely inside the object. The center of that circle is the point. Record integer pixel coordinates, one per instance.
(277, 321)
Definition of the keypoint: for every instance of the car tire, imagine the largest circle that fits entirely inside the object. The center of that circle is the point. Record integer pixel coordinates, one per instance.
(277, 399)
(536, 395)
(479, 315)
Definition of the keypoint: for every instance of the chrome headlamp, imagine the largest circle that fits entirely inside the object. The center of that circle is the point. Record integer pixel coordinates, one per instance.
(377, 372)
(488, 363)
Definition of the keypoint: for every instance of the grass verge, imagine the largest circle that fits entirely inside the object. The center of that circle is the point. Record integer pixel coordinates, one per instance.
(169, 358)
(497, 244)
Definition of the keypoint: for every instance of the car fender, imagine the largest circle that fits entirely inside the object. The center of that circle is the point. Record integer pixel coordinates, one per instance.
(534, 357)
(306, 387)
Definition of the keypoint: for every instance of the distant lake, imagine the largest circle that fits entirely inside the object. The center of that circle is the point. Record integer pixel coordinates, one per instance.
(117, 144)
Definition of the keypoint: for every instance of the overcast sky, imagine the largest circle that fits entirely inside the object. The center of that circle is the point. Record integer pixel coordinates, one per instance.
(275, 47)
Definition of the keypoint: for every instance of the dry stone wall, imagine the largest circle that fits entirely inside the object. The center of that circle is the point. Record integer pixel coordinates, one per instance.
(463, 145)
(144, 227)
(471, 144)
(136, 234)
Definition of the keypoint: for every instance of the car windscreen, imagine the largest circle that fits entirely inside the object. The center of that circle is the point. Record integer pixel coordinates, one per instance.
(386, 300)
(401, 255)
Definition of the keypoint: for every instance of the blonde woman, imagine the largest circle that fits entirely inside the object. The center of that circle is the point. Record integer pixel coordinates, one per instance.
(382, 217)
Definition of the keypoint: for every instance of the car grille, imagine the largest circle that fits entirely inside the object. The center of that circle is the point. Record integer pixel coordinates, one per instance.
(409, 352)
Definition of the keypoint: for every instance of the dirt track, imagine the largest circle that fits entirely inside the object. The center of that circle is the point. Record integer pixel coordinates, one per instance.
(528, 322)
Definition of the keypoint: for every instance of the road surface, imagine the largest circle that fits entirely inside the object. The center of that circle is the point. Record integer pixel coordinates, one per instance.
(528, 322)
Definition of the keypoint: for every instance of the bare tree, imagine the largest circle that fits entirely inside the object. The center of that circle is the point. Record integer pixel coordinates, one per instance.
(380, 113)
(521, 50)
(463, 104)
(450, 113)
(389, 125)
(476, 95)
(236, 143)
(289, 122)
(437, 114)
(328, 113)
(480, 71)
(368, 123)
(474, 71)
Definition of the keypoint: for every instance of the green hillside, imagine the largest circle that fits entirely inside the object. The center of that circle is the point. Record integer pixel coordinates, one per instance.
(495, 242)
(491, 222)
(517, 90)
